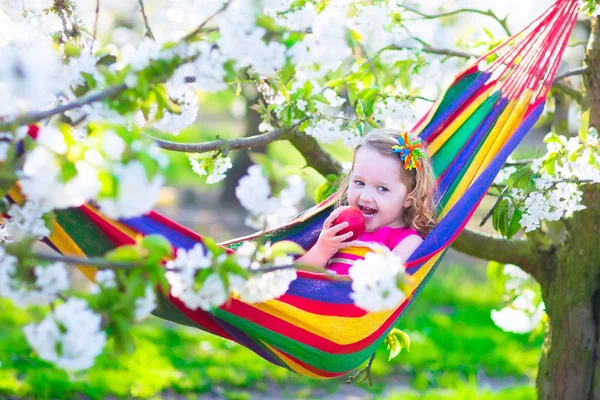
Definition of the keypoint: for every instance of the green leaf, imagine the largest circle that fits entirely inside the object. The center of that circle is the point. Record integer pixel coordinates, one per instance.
(319, 97)
(126, 253)
(397, 340)
(287, 247)
(360, 109)
(326, 189)
(334, 82)
(500, 217)
(157, 245)
(552, 138)
(286, 115)
(515, 223)
(488, 33)
(49, 219)
(67, 171)
(584, 124)
(516, 176)
(503, 216)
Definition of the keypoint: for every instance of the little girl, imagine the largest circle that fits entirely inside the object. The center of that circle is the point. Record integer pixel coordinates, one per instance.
(392, 183)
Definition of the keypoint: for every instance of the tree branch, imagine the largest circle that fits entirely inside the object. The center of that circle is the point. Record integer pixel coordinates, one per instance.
(146, 23)
(519, 251)
(568, 90)
(95, 31)
(99, 263)
(80, 102)
(206, 21)
(314, 154)
(223, 145)
(433, 50)
(576, 71)
(488, 13)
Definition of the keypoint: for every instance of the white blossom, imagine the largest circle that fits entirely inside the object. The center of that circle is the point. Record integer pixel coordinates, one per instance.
(324, 48)
(521, 316)
(145, 305)
(299, 19)
(266, 286)
(326, 131)
(135, 194)
(374, 281)
(28, 77)
(504, 174)
(241, 40)
(181, 275)
(218, 166)
(26, 221)
(253, 190)
(50, 280)
(254, 193)
(395, 113)
(106, 278)
(4, 147)
(140, 55)
(71, 337)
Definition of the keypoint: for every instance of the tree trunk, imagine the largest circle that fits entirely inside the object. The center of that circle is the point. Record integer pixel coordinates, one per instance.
(569, 367)
(570, 285)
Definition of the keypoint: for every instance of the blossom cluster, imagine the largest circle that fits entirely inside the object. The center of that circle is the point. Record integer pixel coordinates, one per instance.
(254, 193)
(525, 311)
(567, 164)
(375, 281)
(196, 282)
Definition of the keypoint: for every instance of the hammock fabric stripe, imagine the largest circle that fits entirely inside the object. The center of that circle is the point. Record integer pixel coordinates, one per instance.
(314, 329)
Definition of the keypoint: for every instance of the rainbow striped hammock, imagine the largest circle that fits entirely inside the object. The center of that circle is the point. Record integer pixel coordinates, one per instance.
(314, 329)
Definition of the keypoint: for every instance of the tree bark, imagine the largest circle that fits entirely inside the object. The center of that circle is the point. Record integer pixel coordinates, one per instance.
(570, 282)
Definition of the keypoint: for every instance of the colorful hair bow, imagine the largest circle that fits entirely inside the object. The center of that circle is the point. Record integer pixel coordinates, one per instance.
(410, 150)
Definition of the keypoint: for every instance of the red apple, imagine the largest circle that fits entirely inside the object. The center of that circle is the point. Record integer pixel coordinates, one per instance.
(356, 222)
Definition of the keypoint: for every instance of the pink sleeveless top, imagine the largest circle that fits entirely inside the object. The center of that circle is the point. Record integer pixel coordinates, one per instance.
(341, 262)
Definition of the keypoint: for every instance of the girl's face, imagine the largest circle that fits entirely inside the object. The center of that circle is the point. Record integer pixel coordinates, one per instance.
(376, 189)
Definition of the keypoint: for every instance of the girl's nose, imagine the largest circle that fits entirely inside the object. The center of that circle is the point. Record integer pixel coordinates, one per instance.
(366, 196)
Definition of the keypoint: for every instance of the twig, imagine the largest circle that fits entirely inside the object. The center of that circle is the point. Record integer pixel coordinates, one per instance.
(516, 163)
(491, 211)
(99, 263)
(80, 102)
(371, 65)
(146, 23)
(206, 21)
(576, 71)
(95, 32)
(364, 373)
(488, 13)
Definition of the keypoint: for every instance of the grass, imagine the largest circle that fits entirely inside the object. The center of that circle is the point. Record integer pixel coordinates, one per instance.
(454, 342)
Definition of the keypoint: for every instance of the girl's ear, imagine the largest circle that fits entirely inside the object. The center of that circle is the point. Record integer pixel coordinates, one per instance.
(408, 201)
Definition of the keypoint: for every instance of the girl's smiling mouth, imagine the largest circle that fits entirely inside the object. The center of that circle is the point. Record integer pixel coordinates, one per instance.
(367, 212)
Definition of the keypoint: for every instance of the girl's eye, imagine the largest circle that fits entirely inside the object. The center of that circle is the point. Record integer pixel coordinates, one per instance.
(382, 188)
(359, 183)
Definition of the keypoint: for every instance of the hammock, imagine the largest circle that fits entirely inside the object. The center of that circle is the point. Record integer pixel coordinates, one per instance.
(315, 329)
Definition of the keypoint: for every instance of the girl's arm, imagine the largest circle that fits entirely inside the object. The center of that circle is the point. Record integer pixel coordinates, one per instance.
(328, 243)
(407, 246)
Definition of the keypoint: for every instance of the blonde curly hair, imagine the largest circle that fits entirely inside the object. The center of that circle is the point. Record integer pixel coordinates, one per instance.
(421, 183)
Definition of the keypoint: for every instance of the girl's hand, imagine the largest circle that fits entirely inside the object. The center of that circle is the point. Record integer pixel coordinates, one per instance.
(329, 241)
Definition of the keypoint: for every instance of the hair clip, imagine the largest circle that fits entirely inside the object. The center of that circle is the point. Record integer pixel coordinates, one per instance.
(410, 150)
